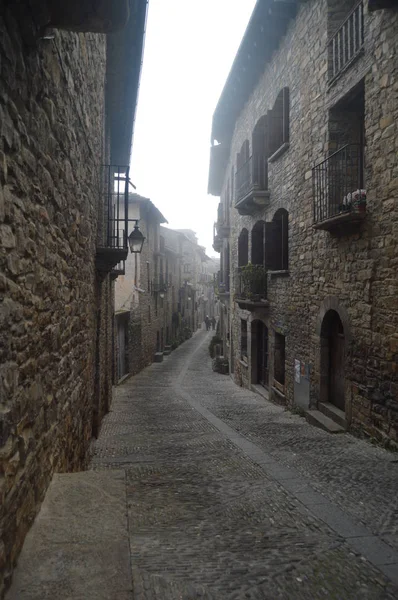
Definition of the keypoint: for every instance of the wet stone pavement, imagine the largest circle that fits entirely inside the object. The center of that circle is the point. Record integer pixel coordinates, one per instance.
(231, 497)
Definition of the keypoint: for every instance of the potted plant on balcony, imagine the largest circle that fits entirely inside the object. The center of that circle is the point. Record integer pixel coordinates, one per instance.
(253, 282)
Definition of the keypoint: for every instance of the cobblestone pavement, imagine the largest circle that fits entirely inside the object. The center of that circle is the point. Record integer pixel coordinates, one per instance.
(231, 497)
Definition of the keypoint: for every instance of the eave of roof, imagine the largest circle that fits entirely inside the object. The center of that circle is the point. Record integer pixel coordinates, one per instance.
(151, 208)
(265, 29)
(124, 61)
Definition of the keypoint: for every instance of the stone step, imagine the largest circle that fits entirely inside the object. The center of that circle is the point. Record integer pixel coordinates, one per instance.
(78, 546)
(158, 357)
(167, 350)
(334, 413)
(317, 418)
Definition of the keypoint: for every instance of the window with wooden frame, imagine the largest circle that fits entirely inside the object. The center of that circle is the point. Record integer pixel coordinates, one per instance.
(277, 242)
(243, 339)
(279, 125)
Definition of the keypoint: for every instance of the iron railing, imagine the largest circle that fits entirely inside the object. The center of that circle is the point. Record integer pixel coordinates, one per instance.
(223, 280)
(347, 42)
(338, 183)
(115, 191)
(251, 282)
(159, 284)
(252, 175)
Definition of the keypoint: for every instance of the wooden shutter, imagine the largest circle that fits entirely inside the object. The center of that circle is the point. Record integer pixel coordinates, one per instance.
(285, 241)
(272, 246)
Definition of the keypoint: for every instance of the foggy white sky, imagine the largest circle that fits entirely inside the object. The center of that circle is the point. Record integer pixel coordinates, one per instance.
(189, 49)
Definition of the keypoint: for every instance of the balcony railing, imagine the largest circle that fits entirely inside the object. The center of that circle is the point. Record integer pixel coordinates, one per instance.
(217, 240)
(338, 184)
(159, 284)
(251, 283)
(223, 280)
(347, 42)
(252, 175)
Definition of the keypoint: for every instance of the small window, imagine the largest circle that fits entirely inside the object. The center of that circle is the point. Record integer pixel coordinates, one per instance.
(243, 339)
(278, 122)
(149, 315)
(279, 360)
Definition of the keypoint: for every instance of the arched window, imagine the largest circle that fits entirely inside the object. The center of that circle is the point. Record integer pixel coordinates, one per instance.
(243, 248)
(278, 122)
(277, 242)
(258, 243)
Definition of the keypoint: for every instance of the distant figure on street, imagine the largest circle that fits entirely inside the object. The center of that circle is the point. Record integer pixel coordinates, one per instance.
(213, 323)
(207, 321)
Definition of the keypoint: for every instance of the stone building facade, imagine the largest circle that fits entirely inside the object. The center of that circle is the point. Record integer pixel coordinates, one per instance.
(304, 159)
(141, 294)
(160, 293)
(59, 124)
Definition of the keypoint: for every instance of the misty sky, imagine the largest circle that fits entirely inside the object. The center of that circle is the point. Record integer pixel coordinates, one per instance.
(189, 49)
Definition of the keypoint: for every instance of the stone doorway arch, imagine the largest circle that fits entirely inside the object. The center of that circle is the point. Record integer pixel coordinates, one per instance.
(334, 333)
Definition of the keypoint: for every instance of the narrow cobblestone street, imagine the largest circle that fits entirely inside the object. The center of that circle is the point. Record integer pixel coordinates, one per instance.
(232, 497)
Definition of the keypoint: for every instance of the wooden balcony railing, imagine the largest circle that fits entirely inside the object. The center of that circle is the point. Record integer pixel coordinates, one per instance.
(347, 42)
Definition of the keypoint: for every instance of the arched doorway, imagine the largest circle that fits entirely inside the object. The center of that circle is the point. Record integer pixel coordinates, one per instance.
(333, 360)
(259, 353)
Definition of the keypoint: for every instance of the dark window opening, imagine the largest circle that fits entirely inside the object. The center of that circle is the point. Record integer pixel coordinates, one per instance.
(279, 359)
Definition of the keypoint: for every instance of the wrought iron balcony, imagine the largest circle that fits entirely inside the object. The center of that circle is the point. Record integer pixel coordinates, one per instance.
(251, 287)
(217, 240)
(114, 200)
(222, 225)
(159, 284)
(347, 43)
(339, 197)
(252, 185)
(222, 282)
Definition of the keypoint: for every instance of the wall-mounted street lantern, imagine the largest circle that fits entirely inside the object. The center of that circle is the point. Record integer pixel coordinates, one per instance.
(136, 239)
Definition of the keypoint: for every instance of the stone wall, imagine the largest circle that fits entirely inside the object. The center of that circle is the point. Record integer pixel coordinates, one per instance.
(357, 269)
(55, 325)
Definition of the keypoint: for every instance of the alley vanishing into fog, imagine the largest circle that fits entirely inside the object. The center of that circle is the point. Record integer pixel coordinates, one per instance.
(226, 496)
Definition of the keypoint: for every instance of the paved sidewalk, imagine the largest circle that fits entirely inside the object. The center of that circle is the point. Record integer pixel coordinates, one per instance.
(229, 496)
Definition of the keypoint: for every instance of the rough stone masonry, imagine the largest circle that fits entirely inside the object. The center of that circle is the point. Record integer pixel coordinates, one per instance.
(51, 146)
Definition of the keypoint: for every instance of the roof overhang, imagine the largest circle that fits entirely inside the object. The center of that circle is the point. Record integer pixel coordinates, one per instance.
(267, 26)
(123, 69)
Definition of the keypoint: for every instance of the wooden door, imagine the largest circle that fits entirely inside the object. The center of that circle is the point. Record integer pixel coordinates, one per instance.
(262, 354)
(336, 364)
